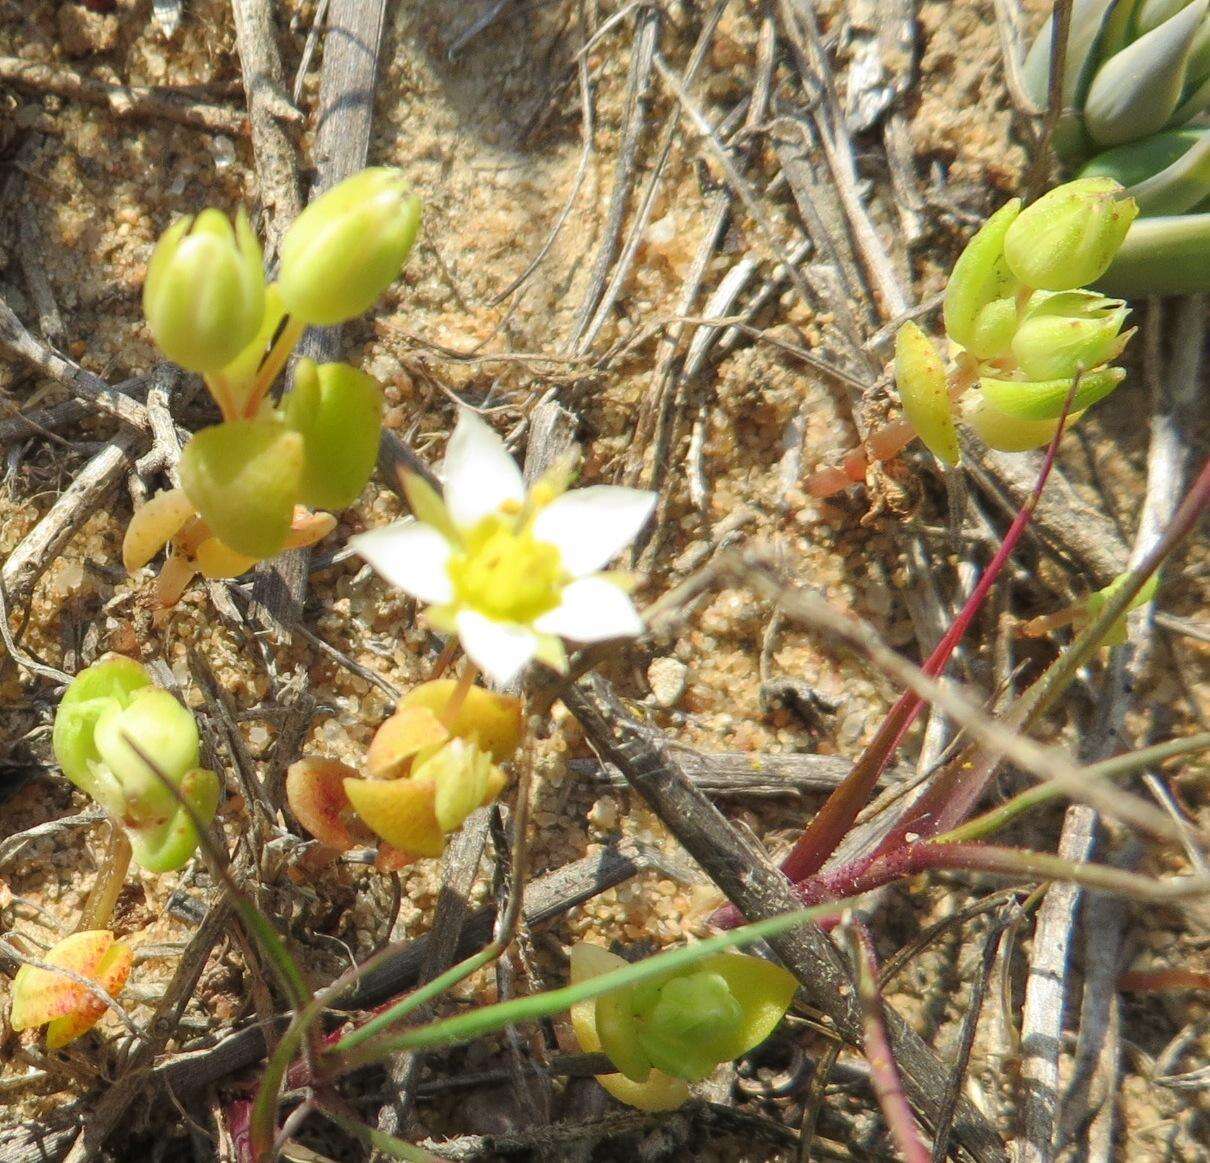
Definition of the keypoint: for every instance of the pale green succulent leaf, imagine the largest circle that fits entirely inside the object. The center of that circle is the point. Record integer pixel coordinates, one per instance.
(1168, 173)
(1088, 20)
(1162, 256)
(1136, 92)
(243, 476)
(981, 277)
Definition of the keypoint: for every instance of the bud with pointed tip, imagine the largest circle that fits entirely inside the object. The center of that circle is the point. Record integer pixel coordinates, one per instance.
(1068, 237)
(348, 246)
(1068, 331)
(204, 296)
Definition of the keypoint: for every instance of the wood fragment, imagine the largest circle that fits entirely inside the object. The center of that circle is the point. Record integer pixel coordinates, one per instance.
(276, 164)
(124, 101)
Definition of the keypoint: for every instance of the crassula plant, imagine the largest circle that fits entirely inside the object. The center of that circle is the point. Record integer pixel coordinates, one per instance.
(134, 748)
(431, 764)
(1133, 97)
(1027, 342)
(676, 1029)
(256, 483)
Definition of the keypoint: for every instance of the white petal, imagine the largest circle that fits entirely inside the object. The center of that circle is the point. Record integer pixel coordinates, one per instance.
(592, 610)
(592, 526)
(411, 556)
(479, 473)
(499, 649)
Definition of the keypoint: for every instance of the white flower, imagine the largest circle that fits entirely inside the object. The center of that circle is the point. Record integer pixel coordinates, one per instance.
(511, 573)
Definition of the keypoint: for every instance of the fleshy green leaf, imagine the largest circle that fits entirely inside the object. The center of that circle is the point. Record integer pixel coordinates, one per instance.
(338, 412)
(243, 476)
(924, 389)
(1044, 399)
(107, 683)
(980, 284)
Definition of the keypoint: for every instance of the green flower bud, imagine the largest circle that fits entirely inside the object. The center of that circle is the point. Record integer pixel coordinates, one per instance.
(347, 246)
(204, 295)
(123, 741)
(1044, 399)
(243, 477)
(687, 1023)
(337, 410)
(1068, 331)
(1069, 236)
(980, 312)
(691, 1026)
(924, 389)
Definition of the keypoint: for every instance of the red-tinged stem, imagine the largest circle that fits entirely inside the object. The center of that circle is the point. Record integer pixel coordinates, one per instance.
(949, 800)
(1154, 980)
(873, 872)
(884, 1072)
(829, 826)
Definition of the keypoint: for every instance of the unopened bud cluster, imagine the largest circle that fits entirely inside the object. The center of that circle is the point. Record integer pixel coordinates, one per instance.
(251, 485)
(678, 1028)
(1028, 340)
(135, 749)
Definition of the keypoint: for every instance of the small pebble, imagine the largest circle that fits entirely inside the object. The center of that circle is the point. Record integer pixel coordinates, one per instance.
(667, 677)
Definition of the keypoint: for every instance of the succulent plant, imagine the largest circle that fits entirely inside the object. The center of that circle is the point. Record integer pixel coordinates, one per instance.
(1134, 97)
(113, 724)
(678, 1028)
(249, 484)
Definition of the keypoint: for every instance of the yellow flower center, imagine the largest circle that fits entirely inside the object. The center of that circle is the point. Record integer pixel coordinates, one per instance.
(505, 573)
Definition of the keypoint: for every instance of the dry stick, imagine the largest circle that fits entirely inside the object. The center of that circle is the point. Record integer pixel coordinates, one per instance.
(352, 40)
(740, 773)
(758, 889)
(82, 498)
(276, 164)
(135, 101)
(16, 338)
(966, 1037)
(1012, 38)
(30, 248)
(664, 403)
(1175, 392)
(637, 97)
(663, 150)
(1061, 22)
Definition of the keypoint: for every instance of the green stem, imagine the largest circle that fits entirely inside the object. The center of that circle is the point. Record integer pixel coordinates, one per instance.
(220, 390)
(285, 343)
(389, 1145)
(110, 879)
(1117, 766)
(488, 1019)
